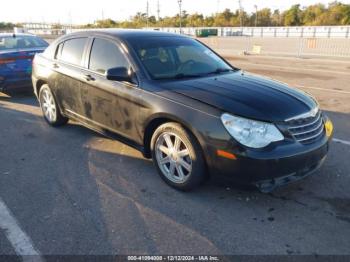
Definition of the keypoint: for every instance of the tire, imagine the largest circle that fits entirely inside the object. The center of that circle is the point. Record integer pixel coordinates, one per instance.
(49, 107)
(181, 169)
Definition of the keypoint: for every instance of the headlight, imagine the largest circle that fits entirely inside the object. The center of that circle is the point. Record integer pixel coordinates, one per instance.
(251, 133)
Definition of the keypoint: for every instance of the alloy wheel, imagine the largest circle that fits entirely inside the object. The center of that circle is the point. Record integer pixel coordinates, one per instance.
(48, 105)
(173, 157)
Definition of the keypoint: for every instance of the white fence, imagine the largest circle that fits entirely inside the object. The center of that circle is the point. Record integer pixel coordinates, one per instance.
(283, 46)
(295, 31)
(331, 41)
(282, 32)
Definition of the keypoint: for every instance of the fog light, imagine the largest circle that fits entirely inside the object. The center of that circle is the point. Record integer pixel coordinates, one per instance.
(329, 128)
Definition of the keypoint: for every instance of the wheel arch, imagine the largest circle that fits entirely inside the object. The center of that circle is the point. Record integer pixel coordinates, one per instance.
(160, 119)
(38, 86)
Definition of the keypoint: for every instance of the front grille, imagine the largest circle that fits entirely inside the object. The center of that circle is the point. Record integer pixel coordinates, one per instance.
(308, 129)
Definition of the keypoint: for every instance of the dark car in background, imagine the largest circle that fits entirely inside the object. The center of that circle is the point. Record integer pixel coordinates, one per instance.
(180, 103)
(16, 54)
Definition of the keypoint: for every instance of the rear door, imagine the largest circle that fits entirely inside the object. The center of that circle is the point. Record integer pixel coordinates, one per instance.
(69, 78)
(112, 105)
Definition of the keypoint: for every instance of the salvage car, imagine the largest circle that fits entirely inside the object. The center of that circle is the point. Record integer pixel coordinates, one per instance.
(16, 54)
(184, 106)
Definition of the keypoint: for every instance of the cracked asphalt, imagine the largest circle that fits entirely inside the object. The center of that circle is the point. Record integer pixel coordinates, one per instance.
(75, 192)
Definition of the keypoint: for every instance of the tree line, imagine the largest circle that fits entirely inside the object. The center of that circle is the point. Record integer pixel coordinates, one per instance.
(336, 13)
(6, 26)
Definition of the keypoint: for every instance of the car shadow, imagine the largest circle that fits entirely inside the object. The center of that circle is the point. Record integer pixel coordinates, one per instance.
(24, 97)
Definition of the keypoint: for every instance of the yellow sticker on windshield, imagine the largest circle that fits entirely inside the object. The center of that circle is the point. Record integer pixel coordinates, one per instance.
(329, 128)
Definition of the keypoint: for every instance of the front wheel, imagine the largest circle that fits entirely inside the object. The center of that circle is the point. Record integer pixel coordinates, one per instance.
(50, 108)
(178, 157)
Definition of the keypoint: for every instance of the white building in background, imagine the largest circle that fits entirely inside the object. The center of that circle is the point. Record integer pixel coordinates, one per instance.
(46, 29)
(20, 30)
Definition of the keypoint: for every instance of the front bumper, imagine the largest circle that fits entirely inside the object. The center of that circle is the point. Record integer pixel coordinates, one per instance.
(271, 184)
(268, 169)
(299, 166)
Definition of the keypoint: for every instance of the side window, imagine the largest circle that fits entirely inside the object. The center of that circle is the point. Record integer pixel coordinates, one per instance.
(73, 50)
(106, 55)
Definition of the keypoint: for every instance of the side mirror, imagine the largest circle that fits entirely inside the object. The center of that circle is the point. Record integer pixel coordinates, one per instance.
(119, 74)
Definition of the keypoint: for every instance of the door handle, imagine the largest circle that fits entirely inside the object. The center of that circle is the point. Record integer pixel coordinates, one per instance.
(89, 78)
(55, 66)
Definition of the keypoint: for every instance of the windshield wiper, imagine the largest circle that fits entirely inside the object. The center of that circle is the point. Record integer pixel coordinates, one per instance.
(220, 70)
(182, 75)
(179, 76)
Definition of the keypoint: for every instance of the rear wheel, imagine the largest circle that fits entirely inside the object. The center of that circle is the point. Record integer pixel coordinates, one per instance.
(178, 157)
(50, 108)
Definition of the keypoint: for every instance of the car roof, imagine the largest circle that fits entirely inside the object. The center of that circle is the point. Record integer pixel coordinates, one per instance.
(125, 33)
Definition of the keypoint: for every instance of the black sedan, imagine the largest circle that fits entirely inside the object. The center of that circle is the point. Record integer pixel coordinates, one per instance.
(180, 103)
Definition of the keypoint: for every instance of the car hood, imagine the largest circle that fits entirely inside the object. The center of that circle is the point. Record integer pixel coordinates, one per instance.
(246, 95)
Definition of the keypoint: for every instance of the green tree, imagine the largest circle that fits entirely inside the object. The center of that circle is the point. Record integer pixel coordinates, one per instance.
(6, 26)
(264, 17)
(335, 14)
(312, 14)
(276, 18)
(292, 17)
(224, 19)
(338, 14)
(196, 20)
(152, 20)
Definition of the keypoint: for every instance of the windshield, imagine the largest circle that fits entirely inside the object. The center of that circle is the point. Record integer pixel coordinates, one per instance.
(178, 57)
(21, 42)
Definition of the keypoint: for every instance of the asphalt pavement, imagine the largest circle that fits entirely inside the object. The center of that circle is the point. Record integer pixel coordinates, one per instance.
(74, 192)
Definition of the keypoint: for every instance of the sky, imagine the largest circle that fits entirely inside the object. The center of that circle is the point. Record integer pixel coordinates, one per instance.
(87, 11)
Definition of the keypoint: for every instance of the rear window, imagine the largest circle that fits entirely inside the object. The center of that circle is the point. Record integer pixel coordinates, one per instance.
(72, 51)
(21, 42)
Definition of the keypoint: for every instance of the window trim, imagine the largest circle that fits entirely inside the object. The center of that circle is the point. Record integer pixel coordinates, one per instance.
(58, 51)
